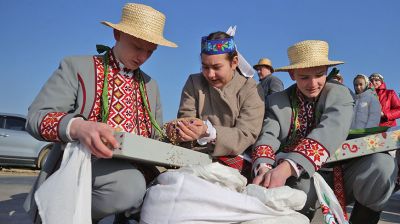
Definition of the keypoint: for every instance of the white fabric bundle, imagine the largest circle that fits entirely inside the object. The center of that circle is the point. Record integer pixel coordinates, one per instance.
(66, 196)
(218, 174)
(183, 197)
(280, 198)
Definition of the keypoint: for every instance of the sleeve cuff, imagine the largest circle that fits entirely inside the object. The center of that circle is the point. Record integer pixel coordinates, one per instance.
(263, 151)
(261, 165)
(297, 168)
(212, 134)
(69, 127)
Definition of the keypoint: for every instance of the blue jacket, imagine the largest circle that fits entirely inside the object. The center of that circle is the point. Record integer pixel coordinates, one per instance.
(367, 110)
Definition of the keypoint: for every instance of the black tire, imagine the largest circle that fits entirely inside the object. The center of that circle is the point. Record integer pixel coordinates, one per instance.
(43, 156)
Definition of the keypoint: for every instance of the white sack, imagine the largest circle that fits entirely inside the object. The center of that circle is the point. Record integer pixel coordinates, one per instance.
(66, 196)
(182, 197)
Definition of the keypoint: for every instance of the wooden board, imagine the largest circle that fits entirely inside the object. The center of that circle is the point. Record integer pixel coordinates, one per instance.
(386, 141)
(138, 148)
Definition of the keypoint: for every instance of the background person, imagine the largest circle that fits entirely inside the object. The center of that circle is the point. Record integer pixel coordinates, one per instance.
(338, 78)
(367, 109)
(388, 99)
(269, 83)
(83, 101)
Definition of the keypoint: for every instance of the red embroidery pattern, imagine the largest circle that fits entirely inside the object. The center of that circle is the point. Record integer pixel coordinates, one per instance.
(306, 116)
(126, 110)
(301, 125)
(338, 188)
(316, 153)
(49, 126)
(95, 115)
(263, 151)
(236, 162)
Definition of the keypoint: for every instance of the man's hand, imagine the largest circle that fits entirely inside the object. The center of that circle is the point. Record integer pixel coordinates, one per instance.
(95, 136)
(276, 177)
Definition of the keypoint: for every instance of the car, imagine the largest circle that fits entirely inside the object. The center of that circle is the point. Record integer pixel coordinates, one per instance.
(17, 146)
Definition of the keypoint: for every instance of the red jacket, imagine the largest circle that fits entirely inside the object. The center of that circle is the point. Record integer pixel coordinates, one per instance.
(390, 103)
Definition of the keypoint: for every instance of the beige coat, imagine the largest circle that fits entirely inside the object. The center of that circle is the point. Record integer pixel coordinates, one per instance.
(236, 111)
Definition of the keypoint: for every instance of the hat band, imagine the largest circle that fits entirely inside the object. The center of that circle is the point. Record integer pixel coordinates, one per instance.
(220, 46)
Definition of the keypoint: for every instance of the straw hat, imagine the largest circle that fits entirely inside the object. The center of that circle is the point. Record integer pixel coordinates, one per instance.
(264, 62)
(143, 22)
(307, 54)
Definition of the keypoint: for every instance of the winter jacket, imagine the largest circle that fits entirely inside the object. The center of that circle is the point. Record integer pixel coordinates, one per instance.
(367, 110)
(390, 104)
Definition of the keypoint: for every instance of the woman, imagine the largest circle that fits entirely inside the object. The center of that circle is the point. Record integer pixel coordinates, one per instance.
(367, 110)
(221, 111)
(389, 100)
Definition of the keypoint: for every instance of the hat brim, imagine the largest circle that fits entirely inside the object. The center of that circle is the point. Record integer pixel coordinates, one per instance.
(308, 65)
(155, 39)
(272, 69)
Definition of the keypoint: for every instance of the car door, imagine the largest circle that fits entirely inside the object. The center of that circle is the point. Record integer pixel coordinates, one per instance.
(15, 141)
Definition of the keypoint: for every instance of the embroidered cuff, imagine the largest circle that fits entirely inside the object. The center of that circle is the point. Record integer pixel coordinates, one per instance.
(49, 126)
(212, 134)
(263, 151)
(316, 153)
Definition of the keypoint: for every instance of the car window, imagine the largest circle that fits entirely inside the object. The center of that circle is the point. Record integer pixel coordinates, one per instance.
(15, 123)
(2, 119)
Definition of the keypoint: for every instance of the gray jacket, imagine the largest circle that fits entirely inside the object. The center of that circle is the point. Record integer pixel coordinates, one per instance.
(335, 107)
(271, 84)
(72, 90)
(367, 111)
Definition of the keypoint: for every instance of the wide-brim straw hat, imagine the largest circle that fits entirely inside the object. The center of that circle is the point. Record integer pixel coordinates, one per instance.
(264, 62)
(143, 22)
(308, 54)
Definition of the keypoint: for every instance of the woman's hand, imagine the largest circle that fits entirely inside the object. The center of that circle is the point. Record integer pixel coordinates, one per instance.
(97, 137)
(184, 130)
(276, 177)
(192, 129)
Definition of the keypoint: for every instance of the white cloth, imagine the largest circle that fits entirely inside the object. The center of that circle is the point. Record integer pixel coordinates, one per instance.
(218, 174)
(331, 209)
(66, 196)
(280, 198)
(183, 197)
(244, 66)
(212, 134)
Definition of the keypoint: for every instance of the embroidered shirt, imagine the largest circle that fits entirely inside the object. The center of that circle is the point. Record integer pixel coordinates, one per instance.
(126, 110)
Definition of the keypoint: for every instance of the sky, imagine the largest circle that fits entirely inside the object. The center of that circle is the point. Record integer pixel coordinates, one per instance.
(36, 35)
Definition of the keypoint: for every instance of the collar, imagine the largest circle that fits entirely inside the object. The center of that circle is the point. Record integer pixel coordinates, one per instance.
(301, 97)
(120, 66)
(266, 77)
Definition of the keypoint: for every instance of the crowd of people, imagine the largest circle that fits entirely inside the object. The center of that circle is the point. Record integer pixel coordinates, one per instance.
(273, 136)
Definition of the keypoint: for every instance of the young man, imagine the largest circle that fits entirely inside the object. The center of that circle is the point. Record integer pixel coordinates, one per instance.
(304, 125)
(83, 101)
(269, 83)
